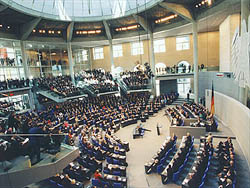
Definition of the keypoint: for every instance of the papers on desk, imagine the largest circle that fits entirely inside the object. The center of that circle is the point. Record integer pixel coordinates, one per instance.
(186, 181)
(109, 176)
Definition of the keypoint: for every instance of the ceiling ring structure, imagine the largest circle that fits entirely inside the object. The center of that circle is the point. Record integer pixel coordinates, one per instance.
(80, 10)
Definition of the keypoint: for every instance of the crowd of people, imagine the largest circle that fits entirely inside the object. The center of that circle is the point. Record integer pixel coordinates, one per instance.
(14, 83)
(106, 112)
(62, 85)
(204, 118)
(156, 163)
(135, 79)
(100, 80)
(10, 62)
(178, 160)
(226, 169)
(198, 172)
(177, 69)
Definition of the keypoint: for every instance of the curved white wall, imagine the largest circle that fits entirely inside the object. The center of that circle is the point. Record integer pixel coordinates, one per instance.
(234, 115)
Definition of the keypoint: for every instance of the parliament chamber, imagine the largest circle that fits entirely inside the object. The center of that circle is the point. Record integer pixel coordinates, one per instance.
(124, 93)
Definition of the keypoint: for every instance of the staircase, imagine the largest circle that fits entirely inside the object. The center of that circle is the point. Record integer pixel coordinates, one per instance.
(89, 90)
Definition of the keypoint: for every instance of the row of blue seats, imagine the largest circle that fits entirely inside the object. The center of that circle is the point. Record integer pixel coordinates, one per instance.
(176, 174)
(163, 160)
(102, 184)
(205, 173)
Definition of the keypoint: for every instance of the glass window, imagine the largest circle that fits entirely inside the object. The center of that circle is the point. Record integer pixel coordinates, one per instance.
(137, 48)
(182, 43)
(159, 46)
(98, 53)
(85, 55)
(117, 50)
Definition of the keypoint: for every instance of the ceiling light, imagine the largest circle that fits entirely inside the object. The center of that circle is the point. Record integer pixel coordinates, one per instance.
(59, 32)
(1, 25)
(8, 27)
(91, 32)
(34, 30)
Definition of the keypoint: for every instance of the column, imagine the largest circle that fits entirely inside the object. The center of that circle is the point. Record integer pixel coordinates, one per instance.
(90, 58)
(24, 59)
(111, 56)
(71, 65)
(245, 11)
(195, 61)
(152, 59)
(27, 75)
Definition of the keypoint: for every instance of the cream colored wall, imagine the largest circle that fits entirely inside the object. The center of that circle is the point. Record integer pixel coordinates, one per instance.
(208, 53)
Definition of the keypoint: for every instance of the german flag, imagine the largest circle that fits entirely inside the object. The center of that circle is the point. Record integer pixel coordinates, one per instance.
(212, 99)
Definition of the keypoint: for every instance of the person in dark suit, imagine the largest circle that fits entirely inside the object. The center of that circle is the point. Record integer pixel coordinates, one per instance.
(35, 142)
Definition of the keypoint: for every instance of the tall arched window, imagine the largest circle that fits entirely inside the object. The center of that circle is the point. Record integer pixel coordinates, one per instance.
(160, 68)
(183, 67)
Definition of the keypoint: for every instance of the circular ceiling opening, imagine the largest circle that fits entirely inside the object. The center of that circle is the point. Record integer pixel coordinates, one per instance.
(80, 10)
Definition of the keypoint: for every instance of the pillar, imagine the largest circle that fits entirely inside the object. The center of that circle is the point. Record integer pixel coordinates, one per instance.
(24, 60)
(245, 11)
(111, 56)
(195, 61)
(90, 58)
(152, 59)
(71, 65)
(27, 74)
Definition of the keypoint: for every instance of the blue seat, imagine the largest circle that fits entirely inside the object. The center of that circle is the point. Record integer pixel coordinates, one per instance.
(117, 173)
(181, 167)
(160, 168)
(163, 160)
(105, 171)
(109, 160)
(96, 182)
(204, 177)
(59, 185)
(117, 185)
(202, 184)
(117, 162)
(175, 176)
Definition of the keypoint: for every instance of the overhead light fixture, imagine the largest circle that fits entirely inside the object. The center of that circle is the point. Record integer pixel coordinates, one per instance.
(166, 18)
(1, 25)
(88, 32)
(8, 27)
(59, 32)
(131, 27)
(34, 31)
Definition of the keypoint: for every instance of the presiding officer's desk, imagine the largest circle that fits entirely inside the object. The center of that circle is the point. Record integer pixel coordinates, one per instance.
(181, 131)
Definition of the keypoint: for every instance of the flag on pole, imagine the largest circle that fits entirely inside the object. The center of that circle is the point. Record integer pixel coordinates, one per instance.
(212, 99)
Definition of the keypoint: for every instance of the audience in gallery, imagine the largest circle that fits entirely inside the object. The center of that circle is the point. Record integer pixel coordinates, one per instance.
(62, 85)
(100, 80)
(10, 61)
(135, 80)
(14, 84)
(177, 69)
